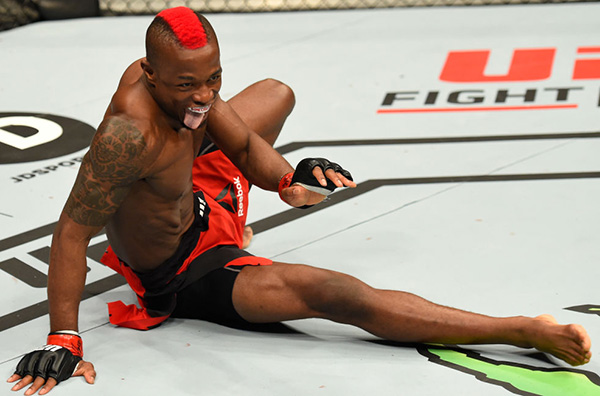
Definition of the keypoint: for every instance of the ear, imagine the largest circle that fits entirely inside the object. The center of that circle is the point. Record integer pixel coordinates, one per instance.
(148, 71)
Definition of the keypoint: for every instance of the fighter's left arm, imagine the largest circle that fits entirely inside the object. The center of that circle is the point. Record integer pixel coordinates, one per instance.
(265, 167)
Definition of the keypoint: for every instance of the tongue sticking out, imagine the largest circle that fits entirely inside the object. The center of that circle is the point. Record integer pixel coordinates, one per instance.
(194, 116)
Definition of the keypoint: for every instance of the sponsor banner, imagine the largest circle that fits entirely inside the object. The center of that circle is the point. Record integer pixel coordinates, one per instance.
(474, 80)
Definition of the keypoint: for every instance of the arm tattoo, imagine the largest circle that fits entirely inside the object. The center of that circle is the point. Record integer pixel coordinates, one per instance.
(114, 162)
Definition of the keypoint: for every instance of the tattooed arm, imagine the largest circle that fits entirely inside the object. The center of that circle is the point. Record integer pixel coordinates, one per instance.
(117, 158)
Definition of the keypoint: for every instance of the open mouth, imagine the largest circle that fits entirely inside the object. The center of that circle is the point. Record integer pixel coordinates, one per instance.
(194, 116)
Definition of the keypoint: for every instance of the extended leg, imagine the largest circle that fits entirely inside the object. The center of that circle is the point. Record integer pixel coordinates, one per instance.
(286, 292)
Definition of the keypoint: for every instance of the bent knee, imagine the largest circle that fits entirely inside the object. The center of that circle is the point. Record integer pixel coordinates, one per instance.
(281, 91)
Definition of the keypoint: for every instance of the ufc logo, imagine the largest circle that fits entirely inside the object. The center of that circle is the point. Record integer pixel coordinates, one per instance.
(526, 65)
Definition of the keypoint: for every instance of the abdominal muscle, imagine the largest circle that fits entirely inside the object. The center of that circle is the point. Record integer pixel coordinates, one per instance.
(146, 230)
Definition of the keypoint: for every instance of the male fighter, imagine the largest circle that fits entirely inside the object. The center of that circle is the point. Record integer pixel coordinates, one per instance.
(179, 248)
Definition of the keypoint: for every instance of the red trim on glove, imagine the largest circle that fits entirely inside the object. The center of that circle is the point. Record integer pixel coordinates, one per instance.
(285, 182)
(69, 341)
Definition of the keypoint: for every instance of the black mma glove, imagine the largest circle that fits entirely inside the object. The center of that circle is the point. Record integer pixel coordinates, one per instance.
(303, 176)
(57, 359)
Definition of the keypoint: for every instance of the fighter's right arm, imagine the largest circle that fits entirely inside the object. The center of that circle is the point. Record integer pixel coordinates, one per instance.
(117, 158)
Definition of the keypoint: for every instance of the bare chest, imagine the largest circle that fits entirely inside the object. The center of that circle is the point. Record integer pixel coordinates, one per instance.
(171, 177)
(158, 209)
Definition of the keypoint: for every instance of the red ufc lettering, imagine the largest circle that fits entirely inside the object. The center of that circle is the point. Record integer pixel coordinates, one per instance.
(586, 69)
(526, 65)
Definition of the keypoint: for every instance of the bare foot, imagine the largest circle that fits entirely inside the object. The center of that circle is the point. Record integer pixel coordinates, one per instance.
(247, 237)
(570, 343)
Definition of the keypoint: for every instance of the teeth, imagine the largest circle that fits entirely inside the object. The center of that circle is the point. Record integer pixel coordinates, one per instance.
(199, 110)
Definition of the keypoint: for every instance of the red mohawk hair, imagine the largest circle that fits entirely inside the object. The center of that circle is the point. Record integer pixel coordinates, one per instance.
(187, 27)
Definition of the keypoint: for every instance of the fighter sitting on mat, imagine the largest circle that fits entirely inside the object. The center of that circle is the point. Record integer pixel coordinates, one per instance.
(179, 249)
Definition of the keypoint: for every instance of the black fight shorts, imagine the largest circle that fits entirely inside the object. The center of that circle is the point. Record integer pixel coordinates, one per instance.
(210, 298)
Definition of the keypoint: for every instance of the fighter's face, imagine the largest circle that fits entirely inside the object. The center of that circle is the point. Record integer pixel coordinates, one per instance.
(186, 82)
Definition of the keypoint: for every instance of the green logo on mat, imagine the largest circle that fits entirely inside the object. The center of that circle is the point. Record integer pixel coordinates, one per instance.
(515, 377)
(519, 378)
(586, 309)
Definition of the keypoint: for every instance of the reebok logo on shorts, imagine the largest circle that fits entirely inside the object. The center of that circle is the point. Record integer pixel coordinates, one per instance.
(240, 196)
(232, 197)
